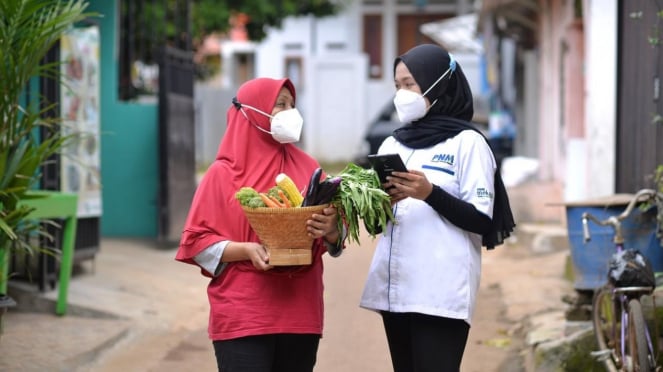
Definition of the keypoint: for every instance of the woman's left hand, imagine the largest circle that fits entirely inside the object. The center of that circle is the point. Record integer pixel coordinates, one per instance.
(324, 225)
(412, 184)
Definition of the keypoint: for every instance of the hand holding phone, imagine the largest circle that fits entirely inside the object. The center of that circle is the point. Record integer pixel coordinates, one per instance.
(384, 164)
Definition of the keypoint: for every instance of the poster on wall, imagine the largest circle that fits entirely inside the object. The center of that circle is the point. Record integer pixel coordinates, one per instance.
(80, 162)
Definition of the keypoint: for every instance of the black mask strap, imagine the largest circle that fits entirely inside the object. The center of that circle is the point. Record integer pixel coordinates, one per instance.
(236, 103)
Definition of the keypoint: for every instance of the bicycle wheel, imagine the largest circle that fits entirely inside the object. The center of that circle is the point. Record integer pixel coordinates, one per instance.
(606, 328)
(637, 338)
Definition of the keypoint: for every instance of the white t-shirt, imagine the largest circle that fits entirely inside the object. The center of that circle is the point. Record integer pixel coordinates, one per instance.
(423, 263)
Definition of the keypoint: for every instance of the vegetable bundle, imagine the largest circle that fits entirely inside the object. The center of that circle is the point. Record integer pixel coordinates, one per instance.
(360, 197)
(356, 192)
(283, 195)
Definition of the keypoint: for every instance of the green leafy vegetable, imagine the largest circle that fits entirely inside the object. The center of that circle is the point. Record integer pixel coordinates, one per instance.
(360, 197)
(249, 197)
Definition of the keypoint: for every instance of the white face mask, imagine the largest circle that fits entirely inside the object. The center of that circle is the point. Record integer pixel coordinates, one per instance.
(411, 106)
(286, 125)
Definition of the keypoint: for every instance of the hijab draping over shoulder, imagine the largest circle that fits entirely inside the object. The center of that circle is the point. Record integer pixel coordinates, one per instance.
(246, 157)
(451, 114)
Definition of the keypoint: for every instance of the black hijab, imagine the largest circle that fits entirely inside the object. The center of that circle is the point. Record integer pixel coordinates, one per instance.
(450, 115)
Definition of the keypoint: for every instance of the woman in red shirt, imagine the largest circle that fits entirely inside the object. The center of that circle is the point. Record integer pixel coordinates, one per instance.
(262, 318)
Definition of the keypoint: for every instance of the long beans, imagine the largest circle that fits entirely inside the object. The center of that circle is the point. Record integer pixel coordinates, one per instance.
(360, 197)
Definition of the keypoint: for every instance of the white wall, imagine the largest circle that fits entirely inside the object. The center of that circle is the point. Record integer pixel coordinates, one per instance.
(601, 95)
(306, 37)
(336, 114)
(333, 92)
(550, 137)
(336, 97)
(211, 103)
(527, 140)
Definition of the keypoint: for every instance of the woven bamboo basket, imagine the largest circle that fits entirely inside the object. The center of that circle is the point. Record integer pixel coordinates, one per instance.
(283, 232)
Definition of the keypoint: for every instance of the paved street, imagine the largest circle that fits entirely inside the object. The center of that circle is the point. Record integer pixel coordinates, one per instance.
(141, 311)
(136, 309)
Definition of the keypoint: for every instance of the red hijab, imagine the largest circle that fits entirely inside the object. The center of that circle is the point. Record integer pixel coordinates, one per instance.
(247, 157)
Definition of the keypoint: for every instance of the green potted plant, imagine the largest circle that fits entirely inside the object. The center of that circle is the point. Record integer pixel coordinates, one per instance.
(28, 30)
(657, 177)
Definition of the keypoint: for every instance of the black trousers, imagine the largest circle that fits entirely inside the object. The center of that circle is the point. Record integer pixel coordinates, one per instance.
(267, 353)
(425, 343)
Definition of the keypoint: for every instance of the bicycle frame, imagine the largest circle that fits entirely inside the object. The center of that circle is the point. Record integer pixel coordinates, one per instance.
(621, 299)
(623, 295)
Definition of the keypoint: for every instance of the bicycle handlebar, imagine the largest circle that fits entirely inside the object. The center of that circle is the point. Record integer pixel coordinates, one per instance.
(615, 221)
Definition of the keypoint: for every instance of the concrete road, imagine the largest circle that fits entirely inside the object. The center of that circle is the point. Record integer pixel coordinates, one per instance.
(139, 310)
(354, 340)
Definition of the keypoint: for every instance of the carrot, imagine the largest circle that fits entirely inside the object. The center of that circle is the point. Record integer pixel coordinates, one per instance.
(285, 199)
(268, 202)
(277, 201)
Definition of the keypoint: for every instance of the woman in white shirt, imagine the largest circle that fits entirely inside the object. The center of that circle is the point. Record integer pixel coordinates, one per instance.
(426, 268)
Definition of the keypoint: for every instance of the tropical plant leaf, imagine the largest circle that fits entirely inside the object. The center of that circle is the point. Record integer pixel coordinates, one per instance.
(28, 30)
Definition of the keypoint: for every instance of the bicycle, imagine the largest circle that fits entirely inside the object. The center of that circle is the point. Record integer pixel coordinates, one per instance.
(623, 336)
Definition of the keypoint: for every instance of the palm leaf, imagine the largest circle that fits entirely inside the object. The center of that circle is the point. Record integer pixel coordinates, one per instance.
(28, 30)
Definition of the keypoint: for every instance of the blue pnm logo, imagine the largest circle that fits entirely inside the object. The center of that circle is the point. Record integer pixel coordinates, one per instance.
(443, 158)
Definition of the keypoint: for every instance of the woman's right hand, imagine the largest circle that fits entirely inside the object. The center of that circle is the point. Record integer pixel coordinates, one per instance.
(410, 184)
(242, 251)
(258, 255)
(395, 194)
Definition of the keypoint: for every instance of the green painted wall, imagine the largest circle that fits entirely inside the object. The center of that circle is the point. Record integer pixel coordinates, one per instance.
(129, 145)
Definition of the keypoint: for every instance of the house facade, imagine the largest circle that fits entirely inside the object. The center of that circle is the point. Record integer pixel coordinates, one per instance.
(557, 63)
(131, 147)
(587, 77)
(342, 66)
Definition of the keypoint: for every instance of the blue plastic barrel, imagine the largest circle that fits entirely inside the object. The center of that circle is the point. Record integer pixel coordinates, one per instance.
(590, 260)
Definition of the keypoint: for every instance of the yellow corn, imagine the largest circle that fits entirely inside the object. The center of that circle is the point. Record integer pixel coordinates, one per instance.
(289, 188)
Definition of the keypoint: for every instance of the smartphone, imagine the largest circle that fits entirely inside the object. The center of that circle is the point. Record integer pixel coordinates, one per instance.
(384, 164)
